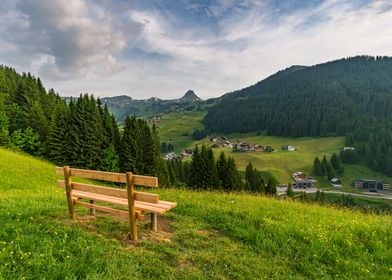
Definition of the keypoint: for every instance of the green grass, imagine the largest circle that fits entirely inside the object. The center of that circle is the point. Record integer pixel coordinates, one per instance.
(368, 204)
(209, 235)
(175, 124)
(282, 164)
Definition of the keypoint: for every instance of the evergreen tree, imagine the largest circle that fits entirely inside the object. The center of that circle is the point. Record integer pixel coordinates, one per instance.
(289, 191)
(271, 187)
(317, 170)
(324, 166)
(335, 162)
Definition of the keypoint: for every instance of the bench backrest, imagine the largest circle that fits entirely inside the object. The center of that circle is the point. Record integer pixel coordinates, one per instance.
(111, 177)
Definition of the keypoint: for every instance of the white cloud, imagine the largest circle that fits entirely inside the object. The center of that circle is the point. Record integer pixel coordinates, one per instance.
(82, 46)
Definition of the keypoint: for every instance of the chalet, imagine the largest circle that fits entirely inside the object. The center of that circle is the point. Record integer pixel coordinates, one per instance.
(305, 183)
(335, 182)
(259, 148)
(269, 149)
(372, 185)
(288, 148)
(171, 156)
(351, 149)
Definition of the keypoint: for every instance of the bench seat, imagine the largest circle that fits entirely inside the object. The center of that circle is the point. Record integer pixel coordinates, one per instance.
(158, 208)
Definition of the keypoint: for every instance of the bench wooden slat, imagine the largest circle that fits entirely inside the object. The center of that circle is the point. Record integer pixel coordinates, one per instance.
(99, 190)
(140, 180)
(121, 213)
(141, 206)
(99, 175)
(146, 197)
(172, 204)
(141, 196)
(164, 207)
(145, 181)
(115, 212)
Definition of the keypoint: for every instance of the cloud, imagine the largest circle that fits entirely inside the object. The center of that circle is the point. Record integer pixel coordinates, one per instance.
(74, 37)
(161, 48)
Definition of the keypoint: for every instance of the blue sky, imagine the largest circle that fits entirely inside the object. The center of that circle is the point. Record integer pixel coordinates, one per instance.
(163, 48)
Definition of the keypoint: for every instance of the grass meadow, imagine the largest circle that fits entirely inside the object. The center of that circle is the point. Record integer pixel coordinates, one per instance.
(209, 235)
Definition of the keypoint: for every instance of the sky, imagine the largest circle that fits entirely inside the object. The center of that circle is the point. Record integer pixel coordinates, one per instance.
(162, 48)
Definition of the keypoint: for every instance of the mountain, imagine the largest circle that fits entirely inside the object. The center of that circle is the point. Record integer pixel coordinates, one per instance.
(122, 106)
(320, 100)
(189, 96)
(351, 97)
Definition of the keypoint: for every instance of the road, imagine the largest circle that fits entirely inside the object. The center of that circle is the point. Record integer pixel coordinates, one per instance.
(282, 190)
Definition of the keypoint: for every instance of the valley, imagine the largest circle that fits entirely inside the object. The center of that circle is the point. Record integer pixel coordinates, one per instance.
(282, 164)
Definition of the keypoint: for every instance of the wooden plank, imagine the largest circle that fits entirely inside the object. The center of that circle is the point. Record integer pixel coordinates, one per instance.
(145, 181)
(59, 170)
(131, 206)
(101, 198)
(116, 212)
(68, 188)
(172, 204)
(146, 197)
(120, 193)
(139, 205)
(99, 175)
(149, 207)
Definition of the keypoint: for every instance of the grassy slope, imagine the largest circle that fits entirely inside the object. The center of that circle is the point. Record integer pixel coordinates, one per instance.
(176, 123)
(282, 164)
(213, 236)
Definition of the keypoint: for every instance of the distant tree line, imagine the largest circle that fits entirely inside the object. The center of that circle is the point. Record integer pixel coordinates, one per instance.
(204, 172)
(199, 134)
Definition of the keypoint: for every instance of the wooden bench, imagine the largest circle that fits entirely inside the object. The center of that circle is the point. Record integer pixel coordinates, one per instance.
(136, 203)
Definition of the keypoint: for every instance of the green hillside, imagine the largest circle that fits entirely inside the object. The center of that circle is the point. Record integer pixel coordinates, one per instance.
(209, 235)
(175, 124)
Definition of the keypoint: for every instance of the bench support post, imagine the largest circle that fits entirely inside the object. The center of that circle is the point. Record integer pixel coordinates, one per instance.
(131, 207)
(68, 188)
(92, 210)
(154, 221)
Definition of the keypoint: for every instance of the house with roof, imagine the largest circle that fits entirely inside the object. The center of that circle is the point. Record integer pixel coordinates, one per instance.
(288, 148)
(371, 185)
(335, 182)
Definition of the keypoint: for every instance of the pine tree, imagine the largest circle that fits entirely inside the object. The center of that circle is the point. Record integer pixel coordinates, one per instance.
(59, 138)
(289, 191)
(317, 167)
(222, 169)
(324, 166)
(335, 162)
(250, 177)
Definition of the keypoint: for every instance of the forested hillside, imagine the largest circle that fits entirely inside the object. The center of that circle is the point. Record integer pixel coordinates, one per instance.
(349, 97)
(81, 133)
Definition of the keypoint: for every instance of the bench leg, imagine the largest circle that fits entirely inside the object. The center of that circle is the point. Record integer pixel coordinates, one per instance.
(92, 210)
(154, 221)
